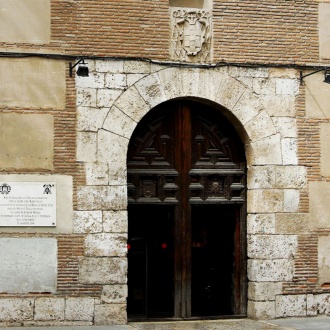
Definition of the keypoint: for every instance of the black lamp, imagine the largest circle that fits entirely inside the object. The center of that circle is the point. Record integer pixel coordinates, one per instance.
(327, 76)
(82, 68)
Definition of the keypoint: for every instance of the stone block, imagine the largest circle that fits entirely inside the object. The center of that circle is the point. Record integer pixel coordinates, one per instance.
(23, 12)
(151, 90)
(264, 86)
(28, 265)
(102, 198)
(86, 97)
(238, 72)
(289, 151)
(271, 246)
(106, 245)
(264, 291)
(325, 149)
(17, 309)
(291, 305)
(265, 201)
(87, 222)
(279, 105)
(119, 123)
(261, 177)
(115, 221)
(270, 270)
(115, 80)
(94, 80)
(261, 310)
(324, 259)
(103, 270)
(90, 119)
(27, 141)
(114, 294)
(97, 174)
(261, 224)
(318, 304)
(291, 223)
(133, 78)
(79, 309)
(286, 126)
(109, 66)
(277, 72)
(260, 126)
(291, 200)
(110, 314)
(324, 28)
(267, 151)
(291, 177)
(47, 309)
(286, 86)
(86, 146)
(319, 205)
(136, 67)
(171, 80)
(106, 97)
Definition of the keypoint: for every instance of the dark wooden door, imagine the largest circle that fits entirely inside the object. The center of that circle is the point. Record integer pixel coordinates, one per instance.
(186, 195)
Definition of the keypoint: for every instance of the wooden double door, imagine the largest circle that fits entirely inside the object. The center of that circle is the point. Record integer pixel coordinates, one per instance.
(186, 215)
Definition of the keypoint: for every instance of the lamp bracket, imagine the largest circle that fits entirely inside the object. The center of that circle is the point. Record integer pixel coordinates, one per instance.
(71, 67)
(309, 74)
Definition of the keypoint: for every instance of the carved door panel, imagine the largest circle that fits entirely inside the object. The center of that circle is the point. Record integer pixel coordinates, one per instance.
(186, 164)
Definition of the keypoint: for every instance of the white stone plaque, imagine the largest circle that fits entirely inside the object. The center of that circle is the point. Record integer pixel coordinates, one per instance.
(28, 204)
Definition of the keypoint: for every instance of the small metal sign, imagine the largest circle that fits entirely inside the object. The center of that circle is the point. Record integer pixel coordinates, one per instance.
(28, 204)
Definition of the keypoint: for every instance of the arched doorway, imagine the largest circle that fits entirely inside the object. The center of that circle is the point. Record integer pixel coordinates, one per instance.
(186, 214)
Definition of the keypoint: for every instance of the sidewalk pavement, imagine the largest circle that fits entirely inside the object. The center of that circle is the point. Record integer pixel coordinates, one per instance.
(306, 323)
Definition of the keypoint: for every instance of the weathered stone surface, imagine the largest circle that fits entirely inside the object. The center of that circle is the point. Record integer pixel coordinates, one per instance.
(97, 174)
(279, 105)
(277, 72)
(264, 290)
(261, 310)
(291, 305)
(270, 270)
(261, 224)
(110, 314)
(102, 198)
(114, 294)
(264, 86)
(28, 264)
(291, 177)
(115, 80)
(12, 310)
(238, 72)
(271, 246)
(289, 151)
(115, 221)
(291, 200)
(286, 126)
(27, 140)
(260, 127)
(90, 118)
(49, 309)
(119, 123)
(79, 309)
(318, 304)
(109, 66)
(136, 67)
(171, 80)
(86, 146)
(103, 270)
(261, 177)
(106, 245)
(106, 97)
(291, 223)
(286, 86)
(319, 205)
(94, 80)
(87, 222)
(133, 78)
(86, 97)
(267, 151)
(265, 201)
(324, 259)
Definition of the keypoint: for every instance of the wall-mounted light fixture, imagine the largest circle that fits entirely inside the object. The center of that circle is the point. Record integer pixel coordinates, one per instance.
(326, 75)
(82, 68)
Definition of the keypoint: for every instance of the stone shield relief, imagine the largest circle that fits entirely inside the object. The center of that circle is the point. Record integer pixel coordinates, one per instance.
(191, 35)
